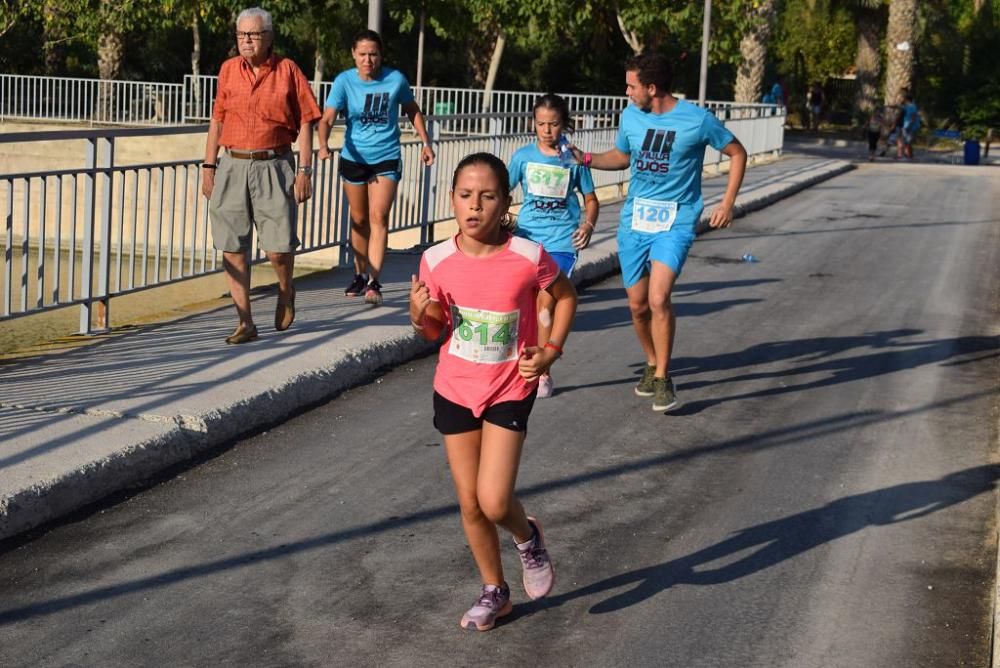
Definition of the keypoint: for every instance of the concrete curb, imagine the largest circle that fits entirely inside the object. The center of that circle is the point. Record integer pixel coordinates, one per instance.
(163, 442)
(193, 435)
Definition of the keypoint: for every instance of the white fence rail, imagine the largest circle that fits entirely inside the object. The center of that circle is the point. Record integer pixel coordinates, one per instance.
(138, 103)
(81, 236)
(91, 100)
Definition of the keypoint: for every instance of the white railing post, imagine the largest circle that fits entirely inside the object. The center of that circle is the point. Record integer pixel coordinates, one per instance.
(87, 250)
(106, 154)
(495, 132)
(428, 194)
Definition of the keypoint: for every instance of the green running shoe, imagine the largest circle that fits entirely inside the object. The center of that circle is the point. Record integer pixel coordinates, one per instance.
(664, 397)
(645, 386)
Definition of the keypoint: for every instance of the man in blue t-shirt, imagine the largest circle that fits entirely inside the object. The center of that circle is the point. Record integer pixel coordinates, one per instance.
(662, 139)
(909, 124)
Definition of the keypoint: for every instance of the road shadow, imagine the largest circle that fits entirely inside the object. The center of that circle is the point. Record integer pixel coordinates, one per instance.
(884, 352)
(589, 319)
(770, 543)
(936, 495)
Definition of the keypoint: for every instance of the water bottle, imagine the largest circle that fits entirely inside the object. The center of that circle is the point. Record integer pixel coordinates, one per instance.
(566, 158)
(748, 258)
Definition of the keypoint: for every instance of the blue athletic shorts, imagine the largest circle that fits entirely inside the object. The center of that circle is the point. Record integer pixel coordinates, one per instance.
(637, 249)
(566, 261)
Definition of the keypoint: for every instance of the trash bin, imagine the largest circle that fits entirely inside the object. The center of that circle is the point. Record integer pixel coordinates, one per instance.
(971, 152)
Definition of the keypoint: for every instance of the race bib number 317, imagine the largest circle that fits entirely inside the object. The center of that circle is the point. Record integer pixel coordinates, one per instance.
(485, 337)
(547, 180)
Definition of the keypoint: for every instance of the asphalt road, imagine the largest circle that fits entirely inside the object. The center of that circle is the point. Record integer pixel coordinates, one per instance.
(825, 497)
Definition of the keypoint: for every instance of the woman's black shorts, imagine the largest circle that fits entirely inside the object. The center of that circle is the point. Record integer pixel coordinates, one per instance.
(359, 173)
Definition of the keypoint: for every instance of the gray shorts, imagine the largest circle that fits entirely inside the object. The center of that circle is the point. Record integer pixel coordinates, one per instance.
(258, 193)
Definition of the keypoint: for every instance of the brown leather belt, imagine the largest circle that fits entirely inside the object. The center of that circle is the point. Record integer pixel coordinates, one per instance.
(263, 154)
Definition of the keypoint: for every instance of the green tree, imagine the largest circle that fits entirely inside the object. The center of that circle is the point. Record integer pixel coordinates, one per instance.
(815, 40)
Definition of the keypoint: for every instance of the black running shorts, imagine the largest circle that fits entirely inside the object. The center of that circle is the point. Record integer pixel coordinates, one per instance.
(452, 418)
(359, 173)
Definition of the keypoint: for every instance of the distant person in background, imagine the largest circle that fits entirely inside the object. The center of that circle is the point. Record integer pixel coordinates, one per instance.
(264, 103)
(369, 97)
(778, 93)
(908, 129)
(815, 102)
(873, 130)
(891, 119)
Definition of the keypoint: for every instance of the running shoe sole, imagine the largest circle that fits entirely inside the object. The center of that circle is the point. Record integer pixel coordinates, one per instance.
(669, 407)
(470, 625)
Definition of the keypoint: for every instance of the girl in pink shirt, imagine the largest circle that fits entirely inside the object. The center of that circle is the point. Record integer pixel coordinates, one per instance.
(478, 291)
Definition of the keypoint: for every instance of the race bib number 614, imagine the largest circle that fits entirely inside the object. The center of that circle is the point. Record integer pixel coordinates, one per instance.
(486, 337)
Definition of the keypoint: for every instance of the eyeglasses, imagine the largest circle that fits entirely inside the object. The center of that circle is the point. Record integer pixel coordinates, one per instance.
(252, 36)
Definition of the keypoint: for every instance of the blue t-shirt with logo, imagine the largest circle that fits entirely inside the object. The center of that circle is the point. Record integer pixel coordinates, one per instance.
(371, 109)
(551, 209)
(667, 155)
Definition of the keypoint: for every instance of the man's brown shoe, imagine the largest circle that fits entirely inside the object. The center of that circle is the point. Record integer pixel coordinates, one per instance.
(284, 315)
(242, 334)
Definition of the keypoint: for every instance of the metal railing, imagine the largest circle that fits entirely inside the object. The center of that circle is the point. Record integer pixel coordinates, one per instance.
(149, 103)
(80, 236)
(436, 101)
(112, 102)
(91, 100)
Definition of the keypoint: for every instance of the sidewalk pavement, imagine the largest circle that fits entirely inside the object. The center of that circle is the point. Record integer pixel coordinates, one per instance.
(78, 426)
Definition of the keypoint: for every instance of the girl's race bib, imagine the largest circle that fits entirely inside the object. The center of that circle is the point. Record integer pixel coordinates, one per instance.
(547, 180)
(485, 337)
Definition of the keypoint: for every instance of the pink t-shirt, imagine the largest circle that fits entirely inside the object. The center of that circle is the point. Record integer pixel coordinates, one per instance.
(489, 305)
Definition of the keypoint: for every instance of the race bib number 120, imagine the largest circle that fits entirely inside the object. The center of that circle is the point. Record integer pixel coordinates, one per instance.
(650, 215)
(486, 337)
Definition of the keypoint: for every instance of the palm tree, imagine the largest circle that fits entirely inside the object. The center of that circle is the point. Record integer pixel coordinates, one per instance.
(753, 52)
(868, 60)
(900, 41)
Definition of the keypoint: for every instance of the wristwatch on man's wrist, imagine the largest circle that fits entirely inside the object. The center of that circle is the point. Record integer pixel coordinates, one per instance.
(306, 169)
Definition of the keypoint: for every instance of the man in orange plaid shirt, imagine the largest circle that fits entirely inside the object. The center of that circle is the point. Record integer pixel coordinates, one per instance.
(264, 102)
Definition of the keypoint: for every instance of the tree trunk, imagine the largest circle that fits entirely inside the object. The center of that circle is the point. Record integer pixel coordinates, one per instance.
(868, 61)
(420, 46)
(110, 56)
(900, 37)
(753, 54)
(319, 65)
(631, 38)
(52, 51)
(491, 76)
(195, 66)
